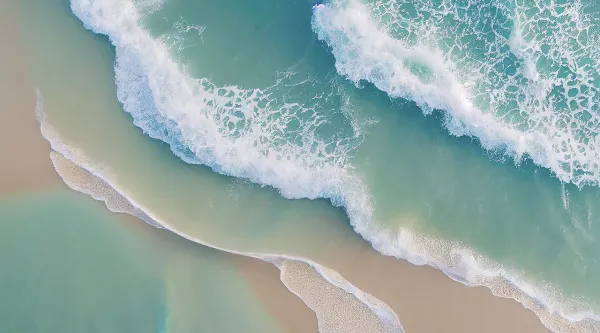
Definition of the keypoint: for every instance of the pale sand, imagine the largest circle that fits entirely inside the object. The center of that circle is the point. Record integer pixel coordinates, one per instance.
(24, 153)
(336, 309)
(26, 166)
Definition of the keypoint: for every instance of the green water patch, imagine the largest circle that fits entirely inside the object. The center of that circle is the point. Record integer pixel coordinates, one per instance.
(68, 265)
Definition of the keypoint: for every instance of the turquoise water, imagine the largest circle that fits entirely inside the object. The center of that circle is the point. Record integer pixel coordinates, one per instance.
(71, 266)
(459, 134)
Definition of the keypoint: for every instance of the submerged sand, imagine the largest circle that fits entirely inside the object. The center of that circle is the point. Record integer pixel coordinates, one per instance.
(424, 299)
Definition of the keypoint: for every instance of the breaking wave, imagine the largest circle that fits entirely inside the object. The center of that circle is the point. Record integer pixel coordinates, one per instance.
(521, 76)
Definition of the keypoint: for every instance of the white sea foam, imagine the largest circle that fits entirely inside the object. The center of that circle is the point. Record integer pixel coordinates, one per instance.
(461, 263)
(241, 132)
(498, 69)
(180, 39)
(337, 309)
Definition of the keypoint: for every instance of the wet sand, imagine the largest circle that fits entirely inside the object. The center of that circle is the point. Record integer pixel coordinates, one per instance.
(25, 164)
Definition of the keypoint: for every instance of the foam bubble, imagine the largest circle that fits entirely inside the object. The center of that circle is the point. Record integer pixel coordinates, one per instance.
(179, 40)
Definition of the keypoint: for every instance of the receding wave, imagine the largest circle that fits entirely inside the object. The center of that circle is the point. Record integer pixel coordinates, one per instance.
(253, 134)
(521, 76)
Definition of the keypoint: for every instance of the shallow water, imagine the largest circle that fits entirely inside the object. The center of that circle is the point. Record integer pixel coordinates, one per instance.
(269, 99)
(72, 266)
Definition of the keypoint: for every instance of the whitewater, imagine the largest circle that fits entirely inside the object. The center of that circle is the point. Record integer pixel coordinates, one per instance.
(506, 90)
(519, 76)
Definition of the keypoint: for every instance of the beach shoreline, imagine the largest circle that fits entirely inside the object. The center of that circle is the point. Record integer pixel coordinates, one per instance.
(424, 298)
(27, 168)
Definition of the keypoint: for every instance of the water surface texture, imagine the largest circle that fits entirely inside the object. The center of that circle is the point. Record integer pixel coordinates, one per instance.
(460, 134)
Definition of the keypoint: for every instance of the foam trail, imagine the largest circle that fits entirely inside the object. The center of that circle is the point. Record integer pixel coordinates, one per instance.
(243, 133)
(459, 262)
(337, 310)
(82, 181)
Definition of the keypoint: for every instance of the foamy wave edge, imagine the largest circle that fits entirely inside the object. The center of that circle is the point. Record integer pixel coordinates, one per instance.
(365, 51)
(458, 262)
(385, 314)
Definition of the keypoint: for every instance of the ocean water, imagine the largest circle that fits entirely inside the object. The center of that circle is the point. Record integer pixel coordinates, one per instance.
(64, 278)
(460, 134)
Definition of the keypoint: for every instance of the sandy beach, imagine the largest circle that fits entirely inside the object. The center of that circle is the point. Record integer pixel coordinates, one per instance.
(25, 164)
(424, 299)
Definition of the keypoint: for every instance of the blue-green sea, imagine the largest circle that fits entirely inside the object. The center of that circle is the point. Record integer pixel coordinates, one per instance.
(459, 134)
(69, 265)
